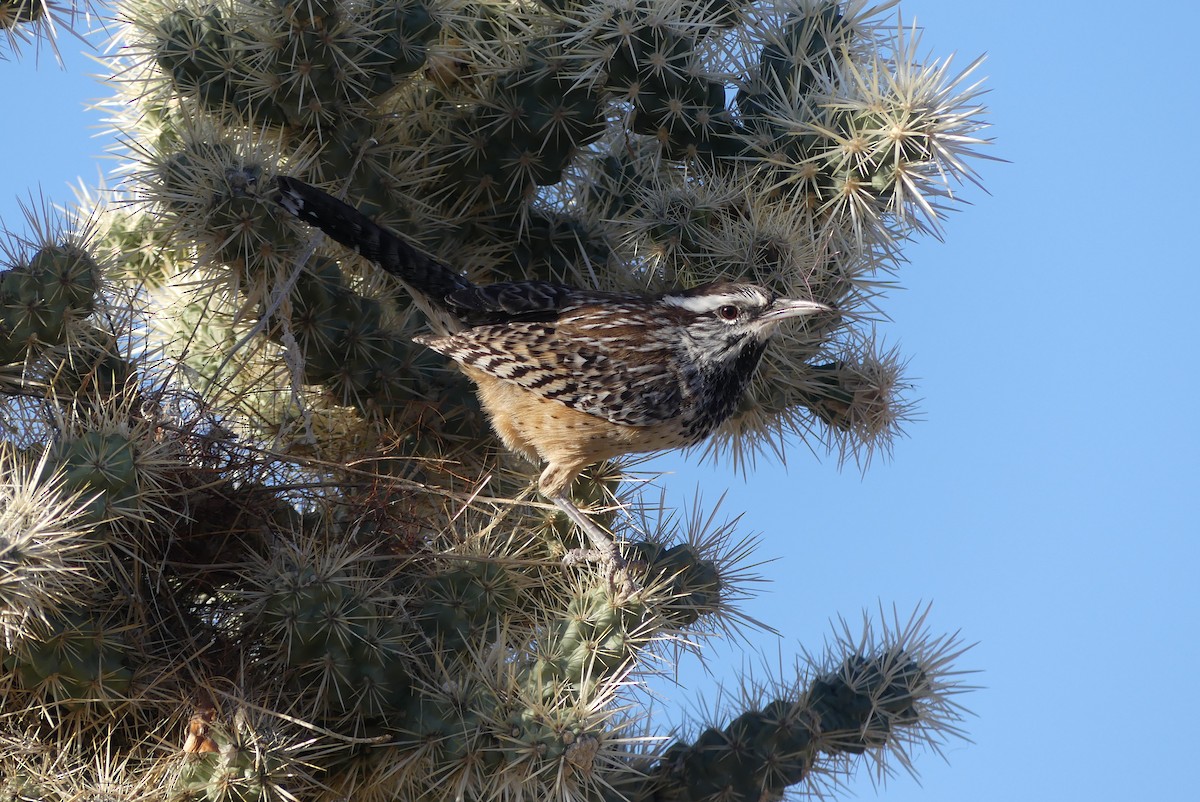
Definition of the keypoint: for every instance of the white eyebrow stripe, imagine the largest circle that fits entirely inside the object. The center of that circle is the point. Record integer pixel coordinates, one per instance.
(703, 303)
(708, 303)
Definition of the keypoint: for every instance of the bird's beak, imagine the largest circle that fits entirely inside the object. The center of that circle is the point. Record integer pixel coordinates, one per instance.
(784, 308)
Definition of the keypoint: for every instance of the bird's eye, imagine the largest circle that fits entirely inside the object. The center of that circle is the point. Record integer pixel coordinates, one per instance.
(727, 312)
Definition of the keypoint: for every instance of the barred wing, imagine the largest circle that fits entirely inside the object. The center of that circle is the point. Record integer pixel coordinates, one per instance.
(583, 374)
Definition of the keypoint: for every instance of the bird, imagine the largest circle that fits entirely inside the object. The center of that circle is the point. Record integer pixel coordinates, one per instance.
(570, 377)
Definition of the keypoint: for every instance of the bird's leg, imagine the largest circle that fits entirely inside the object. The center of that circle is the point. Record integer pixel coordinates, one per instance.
(603, 546)
(603, 550)
(553, 484)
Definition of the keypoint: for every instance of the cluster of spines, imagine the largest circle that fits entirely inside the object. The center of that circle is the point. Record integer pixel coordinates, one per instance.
(342, 338)
(303, 65)
(427, 664)
(328, 635)
(47, 552)
(45, 300)
(526, 127)
(72, 658)
(103, 464)
(690, 582)
(654, 64)
(18, 12)
(39, 21)
(237, 753)
(760, 753)
(422, 672)
(463, 604)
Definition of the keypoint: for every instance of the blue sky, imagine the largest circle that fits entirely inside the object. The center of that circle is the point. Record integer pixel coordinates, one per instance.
(1045, 503)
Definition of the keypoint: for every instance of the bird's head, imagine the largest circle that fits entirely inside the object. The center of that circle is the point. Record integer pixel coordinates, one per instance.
(727, 320)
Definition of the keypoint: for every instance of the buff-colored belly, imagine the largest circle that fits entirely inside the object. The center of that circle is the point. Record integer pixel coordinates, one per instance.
(566, 439)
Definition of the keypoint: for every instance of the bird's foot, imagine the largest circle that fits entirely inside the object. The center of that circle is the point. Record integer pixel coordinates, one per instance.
(620, 573)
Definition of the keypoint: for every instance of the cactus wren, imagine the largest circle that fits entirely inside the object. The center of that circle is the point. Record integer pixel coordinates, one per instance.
(572, 377)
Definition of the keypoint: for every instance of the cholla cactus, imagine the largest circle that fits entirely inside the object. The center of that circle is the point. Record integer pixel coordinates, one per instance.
(256, 544)
(40, 22)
